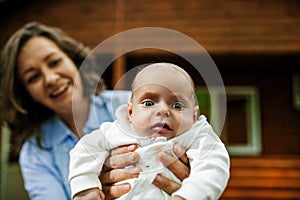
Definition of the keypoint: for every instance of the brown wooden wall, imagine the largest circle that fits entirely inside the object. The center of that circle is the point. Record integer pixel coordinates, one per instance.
(220, 26)
(252, 42)
(272, 75)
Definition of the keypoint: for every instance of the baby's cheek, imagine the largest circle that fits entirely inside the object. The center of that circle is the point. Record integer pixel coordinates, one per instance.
(140, 119)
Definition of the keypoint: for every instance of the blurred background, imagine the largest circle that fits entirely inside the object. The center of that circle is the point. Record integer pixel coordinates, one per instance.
(256, 47)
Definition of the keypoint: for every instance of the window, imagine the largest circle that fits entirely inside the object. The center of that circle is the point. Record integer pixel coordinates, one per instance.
(241, 130)
(296, 90)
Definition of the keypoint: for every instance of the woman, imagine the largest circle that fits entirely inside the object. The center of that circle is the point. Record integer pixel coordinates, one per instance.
(39, 65)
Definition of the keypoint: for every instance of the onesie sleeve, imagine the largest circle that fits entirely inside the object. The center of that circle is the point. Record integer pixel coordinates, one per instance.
(86, 161)
(209, 162)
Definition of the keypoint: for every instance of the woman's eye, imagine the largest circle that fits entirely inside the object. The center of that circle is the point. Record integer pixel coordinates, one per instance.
(33, 78)
(148, 103)
(55, 62)
(178, 106)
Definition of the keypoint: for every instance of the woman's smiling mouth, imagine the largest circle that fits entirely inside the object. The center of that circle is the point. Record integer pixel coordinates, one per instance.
(60, 90)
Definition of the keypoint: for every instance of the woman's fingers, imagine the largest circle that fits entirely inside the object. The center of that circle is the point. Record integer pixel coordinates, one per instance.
(179, 168)
(109, 178)
(168, 185)
(123, 149)
(114, 171)
(93, 193)
(117, 175)
(122, 157)
(181, 154)
(112, 192)
(122, 160)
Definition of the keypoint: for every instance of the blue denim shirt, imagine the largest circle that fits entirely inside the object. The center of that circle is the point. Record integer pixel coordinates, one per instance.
(45, 171)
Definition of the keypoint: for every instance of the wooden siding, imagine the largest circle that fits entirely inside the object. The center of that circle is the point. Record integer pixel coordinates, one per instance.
(253, 43)
(220, 26)
(269, 178)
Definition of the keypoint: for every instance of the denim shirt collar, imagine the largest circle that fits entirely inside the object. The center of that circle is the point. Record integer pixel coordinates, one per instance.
(98, 113)
(60, 133)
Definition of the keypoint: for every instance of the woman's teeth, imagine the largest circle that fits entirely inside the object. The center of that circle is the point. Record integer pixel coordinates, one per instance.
(59, 90)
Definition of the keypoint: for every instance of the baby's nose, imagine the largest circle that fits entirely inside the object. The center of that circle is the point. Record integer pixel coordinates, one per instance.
(163, 109)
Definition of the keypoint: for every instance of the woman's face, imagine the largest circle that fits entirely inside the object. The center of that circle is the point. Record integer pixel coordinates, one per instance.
(48, 74)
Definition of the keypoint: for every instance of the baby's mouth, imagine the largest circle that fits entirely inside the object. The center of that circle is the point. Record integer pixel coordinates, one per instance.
(161, 127)
(60, 90)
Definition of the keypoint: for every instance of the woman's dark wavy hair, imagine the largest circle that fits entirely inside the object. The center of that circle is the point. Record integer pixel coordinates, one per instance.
(23, 115)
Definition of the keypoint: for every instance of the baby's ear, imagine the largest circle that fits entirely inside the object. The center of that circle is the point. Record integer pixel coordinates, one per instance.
(196, 112)
(129, 110)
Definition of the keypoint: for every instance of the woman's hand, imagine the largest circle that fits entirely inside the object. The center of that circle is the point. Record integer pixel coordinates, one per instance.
(180, 167)
(90, 194)
(113, 171)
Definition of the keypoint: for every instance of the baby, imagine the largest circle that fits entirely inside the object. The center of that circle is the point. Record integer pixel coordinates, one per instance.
(161, 112)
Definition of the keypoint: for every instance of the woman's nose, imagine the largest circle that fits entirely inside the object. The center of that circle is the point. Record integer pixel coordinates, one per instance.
(50, 77)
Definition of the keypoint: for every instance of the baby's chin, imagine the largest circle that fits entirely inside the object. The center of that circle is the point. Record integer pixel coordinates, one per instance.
(158, 132)
(166, 135)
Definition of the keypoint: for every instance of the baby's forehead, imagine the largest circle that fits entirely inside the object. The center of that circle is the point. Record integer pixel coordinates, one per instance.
(160, 72)
(163, 68)
(164, 76)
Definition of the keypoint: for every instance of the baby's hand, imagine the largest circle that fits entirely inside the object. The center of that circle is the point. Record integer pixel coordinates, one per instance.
(90, 194)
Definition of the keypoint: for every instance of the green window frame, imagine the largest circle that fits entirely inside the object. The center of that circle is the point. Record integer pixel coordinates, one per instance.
(241, 132)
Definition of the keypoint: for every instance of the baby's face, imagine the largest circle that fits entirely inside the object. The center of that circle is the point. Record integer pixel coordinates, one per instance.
(162, 104)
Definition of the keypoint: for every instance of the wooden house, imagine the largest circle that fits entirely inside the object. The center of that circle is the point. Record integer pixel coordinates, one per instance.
(255, 46)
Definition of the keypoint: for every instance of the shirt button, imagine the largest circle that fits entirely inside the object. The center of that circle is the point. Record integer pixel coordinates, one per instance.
(65, 149)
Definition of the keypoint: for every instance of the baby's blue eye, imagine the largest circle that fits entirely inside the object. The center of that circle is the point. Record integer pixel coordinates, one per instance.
(148, 103)
(178, 106)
